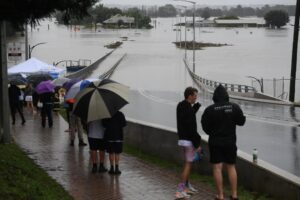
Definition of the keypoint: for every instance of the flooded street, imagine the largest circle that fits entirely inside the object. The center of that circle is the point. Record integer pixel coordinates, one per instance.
(155, 72)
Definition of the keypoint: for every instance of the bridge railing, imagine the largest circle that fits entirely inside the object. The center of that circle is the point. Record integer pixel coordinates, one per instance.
(211, 85)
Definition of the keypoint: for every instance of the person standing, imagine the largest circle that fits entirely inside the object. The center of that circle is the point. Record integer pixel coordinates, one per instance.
(14, 94)
(219, 122)
(74, 125)
(114, 140)
(28, 97)
(97, 143)
(189, 139)
(47, 100)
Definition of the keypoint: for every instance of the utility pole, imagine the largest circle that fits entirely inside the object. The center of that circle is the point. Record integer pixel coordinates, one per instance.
(294, 55)
(26, 41)
(5, 136)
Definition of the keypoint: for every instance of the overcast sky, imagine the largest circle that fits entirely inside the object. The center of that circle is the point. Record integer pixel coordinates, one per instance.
(199, 2)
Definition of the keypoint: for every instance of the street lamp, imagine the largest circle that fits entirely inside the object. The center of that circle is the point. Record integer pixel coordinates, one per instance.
(194, 34)
(260, 82)
(31, 48)
(185, 7)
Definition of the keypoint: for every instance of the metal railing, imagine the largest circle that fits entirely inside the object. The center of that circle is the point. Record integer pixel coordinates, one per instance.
(210, 84)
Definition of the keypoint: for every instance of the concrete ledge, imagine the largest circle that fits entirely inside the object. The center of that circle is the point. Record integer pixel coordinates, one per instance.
(261, 177)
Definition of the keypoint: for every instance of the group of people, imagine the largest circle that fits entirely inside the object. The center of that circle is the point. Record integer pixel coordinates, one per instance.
(34, 102)
(219, 121)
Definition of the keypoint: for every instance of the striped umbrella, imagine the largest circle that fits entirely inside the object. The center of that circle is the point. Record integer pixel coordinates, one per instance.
(94, 103)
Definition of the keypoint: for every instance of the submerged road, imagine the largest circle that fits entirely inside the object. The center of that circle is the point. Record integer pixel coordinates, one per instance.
(272, 129)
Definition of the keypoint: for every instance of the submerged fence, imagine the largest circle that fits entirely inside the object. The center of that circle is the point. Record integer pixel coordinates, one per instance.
(276, 87)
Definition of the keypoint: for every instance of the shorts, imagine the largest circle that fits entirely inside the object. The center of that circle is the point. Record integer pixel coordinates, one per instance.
(189, 153)
(97, 144)
(223, 154)
(28, 98)
(114, 147)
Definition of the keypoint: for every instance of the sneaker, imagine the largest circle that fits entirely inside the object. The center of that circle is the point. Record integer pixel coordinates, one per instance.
(231, 198)
(191, 188)
(181, 195)
(111, 171)
(94, 169)
(82, 143)
(118, 172)
(102, 169)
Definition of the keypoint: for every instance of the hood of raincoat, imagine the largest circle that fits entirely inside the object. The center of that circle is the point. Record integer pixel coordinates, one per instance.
(220, 95)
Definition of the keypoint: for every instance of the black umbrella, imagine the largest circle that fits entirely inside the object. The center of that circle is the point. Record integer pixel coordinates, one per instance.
(94, 103)
(35, 79)
(17, 79)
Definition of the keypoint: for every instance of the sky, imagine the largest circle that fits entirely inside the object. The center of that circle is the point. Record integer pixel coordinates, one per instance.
(205, 2)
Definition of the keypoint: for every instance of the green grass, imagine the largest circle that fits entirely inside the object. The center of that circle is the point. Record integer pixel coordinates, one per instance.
(22, 179)
(207, 180)
(297, 104)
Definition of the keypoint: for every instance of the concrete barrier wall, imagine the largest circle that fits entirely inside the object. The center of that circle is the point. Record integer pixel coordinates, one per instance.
(261, 177)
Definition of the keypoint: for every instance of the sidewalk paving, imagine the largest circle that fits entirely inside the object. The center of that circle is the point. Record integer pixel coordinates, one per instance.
(71, 167)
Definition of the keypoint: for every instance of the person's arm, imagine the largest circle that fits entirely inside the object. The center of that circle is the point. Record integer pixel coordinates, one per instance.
(196, 107)
(206, 122)
(239, 116)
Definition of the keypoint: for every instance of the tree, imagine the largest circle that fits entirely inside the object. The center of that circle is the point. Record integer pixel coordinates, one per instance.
(28, 11)
(167, 11)
(277, 18)
(20, 11)
(206, 13)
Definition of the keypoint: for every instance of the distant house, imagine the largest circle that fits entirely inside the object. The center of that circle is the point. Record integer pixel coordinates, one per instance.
(240, 23)
(120, 20)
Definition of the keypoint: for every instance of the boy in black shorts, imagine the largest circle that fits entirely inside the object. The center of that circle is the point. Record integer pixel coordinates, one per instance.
(219, 122)
(113, 136)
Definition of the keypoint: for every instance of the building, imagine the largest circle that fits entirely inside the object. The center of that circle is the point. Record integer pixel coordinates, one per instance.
(120, 20)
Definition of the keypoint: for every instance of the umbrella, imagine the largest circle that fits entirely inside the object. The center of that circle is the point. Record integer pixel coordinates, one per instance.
(94, 103)
(35, 79)
(17, 79)
(44, 87)
(75, 88)
(67, 85)
(60, 81)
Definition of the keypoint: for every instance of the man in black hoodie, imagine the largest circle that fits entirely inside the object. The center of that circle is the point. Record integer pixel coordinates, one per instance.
(219, 122)
(189, 139)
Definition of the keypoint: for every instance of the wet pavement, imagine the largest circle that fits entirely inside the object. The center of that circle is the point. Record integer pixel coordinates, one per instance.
(70, 166)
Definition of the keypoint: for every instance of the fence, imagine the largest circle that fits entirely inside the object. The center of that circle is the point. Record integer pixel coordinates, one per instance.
(234, 89)
(276, 87)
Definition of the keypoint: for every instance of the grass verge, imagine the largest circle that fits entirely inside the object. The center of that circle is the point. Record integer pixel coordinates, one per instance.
(22, 179)
(207, 180)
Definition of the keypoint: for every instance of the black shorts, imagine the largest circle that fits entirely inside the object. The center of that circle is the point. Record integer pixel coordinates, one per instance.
(97, 144)
(114, 147)
(223, 154)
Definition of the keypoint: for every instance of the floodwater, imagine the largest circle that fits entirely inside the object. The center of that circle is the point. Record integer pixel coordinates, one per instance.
(154, 70)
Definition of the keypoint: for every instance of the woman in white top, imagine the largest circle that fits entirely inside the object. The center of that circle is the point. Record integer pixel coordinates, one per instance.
(97, 143)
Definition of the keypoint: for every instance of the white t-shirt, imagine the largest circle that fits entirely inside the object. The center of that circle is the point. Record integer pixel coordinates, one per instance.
(96, 130)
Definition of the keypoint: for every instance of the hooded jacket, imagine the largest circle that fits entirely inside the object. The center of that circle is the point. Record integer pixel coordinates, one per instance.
(114, 127)
(220, 119)
(13, 93)
(186, 122)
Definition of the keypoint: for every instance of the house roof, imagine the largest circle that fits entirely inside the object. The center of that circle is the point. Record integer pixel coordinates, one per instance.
(240, 21)
(115, 19)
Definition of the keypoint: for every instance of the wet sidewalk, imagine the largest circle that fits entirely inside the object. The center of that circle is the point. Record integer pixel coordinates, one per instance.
(70, 166)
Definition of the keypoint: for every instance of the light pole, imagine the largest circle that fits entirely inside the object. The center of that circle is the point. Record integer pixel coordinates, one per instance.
(294, 54)
(31, 48)
(194, 34)
(185, 7)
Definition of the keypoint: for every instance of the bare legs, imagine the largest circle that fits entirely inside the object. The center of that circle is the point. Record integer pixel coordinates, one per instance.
(218, 177)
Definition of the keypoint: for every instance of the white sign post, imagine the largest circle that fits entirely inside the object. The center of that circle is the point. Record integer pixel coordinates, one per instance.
(14, 52)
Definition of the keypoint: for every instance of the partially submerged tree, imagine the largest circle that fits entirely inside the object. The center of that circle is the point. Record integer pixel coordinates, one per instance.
(277, 18)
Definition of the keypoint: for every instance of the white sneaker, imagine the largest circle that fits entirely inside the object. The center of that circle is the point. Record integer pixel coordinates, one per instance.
(191, 188)
(181, 195)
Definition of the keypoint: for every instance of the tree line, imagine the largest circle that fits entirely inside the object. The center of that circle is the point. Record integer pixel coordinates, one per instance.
(171, 11)
(100, 13)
